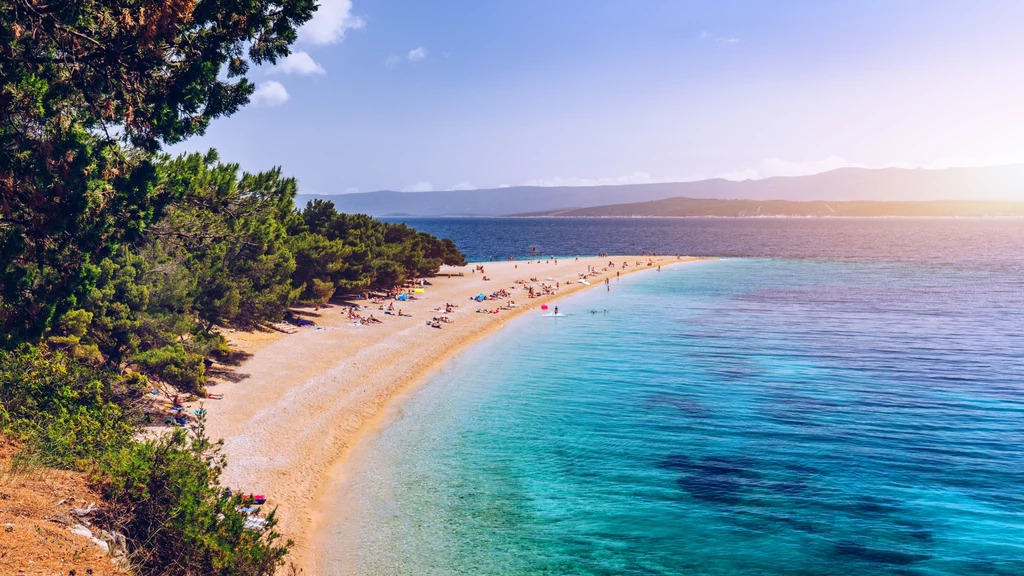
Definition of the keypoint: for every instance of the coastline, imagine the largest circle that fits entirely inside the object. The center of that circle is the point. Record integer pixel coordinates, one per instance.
(311, 397)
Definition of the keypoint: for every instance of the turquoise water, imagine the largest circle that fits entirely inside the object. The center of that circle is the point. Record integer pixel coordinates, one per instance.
(746, 416)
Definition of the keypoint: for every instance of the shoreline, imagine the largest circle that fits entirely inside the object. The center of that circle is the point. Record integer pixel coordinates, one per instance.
(314, 396)
(331, 498)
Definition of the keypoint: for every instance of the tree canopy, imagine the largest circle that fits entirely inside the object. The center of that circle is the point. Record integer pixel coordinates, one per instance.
(89, 90)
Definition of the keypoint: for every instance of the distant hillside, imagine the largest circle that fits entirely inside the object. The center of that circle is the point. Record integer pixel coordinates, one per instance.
(697, 207)
(990, 183)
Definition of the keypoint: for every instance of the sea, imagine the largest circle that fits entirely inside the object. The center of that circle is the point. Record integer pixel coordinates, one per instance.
(831, 397)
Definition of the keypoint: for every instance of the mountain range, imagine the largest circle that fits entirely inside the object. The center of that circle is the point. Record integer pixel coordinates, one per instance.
(707, 207)
(996, 183)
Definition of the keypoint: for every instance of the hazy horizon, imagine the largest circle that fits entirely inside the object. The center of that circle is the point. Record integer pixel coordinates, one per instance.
(727, 178)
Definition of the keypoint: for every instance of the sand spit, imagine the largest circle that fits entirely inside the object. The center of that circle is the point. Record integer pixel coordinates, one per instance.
(302, 400)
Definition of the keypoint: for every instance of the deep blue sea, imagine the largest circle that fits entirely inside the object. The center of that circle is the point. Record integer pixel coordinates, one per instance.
(835, 397)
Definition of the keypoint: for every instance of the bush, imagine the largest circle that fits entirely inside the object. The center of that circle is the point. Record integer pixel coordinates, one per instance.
(65, 410)
(174, 365)
(165, 494)
(162, 494)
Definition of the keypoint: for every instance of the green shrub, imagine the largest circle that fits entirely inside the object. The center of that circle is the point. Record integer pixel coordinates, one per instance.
(64, 409)
(165, 494)
(174, 365)
(162, 494)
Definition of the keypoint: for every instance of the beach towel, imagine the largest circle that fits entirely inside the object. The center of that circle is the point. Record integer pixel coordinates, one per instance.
(255, 523)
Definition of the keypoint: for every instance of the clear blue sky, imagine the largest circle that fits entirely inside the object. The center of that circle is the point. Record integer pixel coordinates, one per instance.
(434, 95)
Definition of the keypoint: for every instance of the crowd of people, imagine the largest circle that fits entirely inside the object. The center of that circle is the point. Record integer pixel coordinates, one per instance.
(359, 319)
(387, 302)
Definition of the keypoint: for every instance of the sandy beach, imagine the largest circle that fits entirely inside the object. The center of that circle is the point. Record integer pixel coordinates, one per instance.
(302, 400)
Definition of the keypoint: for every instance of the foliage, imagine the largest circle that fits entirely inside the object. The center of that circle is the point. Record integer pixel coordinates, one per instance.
(228, 249)
(175, 365)
(162, 493)
(66, 410)
(376, 254)
(320, 265)
(166, 492)
(228, 233)
(89, 90)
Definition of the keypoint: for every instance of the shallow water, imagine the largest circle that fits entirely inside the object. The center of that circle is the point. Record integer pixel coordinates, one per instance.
(743, 416)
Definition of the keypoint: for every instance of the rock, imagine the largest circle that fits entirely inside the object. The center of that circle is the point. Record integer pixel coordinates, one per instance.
(81, 531)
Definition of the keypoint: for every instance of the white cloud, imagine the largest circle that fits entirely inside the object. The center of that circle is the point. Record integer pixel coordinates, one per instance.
(298, 64)
(269, 94)
(767, 169)
(330, 21)
(773, 167)
(705, 36)
(351, 190)
(414, 55)
(462, 186)
(422, 186)
(634, 178)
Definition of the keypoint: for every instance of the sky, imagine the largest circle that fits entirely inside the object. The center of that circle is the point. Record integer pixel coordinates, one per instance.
(452, 94)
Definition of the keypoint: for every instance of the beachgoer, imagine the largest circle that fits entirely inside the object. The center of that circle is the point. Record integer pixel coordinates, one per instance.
(556, 310)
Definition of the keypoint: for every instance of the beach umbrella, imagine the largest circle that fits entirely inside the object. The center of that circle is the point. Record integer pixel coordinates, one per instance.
(543, 306)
